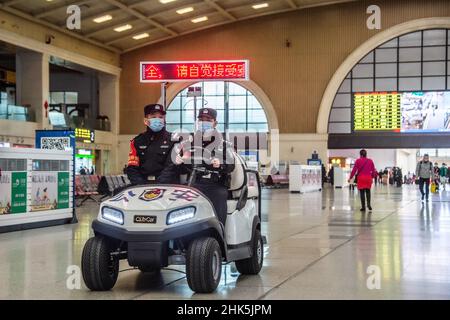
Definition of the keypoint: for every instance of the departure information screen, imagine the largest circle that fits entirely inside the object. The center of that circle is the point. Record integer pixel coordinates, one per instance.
(380, 111)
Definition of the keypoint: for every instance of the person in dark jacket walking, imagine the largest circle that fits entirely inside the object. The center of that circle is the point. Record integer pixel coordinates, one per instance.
(150, 151)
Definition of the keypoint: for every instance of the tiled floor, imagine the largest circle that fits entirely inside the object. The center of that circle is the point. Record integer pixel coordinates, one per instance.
(319, 247)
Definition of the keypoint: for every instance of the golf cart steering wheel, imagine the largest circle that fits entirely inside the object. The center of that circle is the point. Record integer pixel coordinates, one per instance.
(197, 164)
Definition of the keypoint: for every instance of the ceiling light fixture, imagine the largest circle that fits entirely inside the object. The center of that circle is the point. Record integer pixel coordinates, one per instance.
(103, 18)
(123, 28)
(200, 19)
(260, 6)
(185, 10)
(141, 36)
(166, 1)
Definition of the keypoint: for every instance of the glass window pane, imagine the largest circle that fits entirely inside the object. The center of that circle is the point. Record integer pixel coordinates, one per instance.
(411, 40)
(237, 115)
(173, 116)
(54, 165)
(257, 116)
(12, 165)
(386, 55)
(410, 54)
(390, 44)
(71, 97)
(434, 83)
(342, 100)
(188, 127)
(389, 84)
(339, 127)
(176, 103)
(368, 58)
(221, 127)
(345, 87)
(258, 127)
(213, 88)
(188, 116)
(434, 53)
(434, 68)
(409, 84)
(235, 89)
(340, 114)
(213, 102)
(253, 103)
(64, 165)
(434, 37)
(363, 71)
(386, 70)
(237, 127)
(172, 127)
(362, 85)
(410, 69)
(237, 102)
(56, 97)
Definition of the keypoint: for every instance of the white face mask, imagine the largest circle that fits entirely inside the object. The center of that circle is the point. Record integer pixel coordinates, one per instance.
(204, 126)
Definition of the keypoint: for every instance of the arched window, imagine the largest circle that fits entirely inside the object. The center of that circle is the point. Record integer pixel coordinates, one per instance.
(238, 110)
(411, 63)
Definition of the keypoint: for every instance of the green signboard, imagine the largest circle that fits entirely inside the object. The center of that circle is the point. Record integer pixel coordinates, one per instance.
(18, 192)
(63, 190)
(13, 192)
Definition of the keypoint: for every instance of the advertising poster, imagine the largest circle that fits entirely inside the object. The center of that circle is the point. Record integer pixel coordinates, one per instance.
(63, 190)
(13, 192)
(44, 190)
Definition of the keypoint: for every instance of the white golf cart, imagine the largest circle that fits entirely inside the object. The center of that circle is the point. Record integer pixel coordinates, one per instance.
(155, 226)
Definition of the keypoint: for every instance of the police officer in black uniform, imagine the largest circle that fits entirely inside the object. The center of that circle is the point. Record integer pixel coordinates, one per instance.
(217, 157)
(150, 151)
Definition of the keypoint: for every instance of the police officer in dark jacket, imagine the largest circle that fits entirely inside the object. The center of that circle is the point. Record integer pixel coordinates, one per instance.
(150, 151)
(217, 158)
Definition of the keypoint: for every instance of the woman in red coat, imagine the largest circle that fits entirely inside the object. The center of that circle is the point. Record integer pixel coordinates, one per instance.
(365, 171)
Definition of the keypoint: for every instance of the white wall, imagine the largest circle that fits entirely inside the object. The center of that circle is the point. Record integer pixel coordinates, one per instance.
(381, 157)
(406, 160)
(300, 147)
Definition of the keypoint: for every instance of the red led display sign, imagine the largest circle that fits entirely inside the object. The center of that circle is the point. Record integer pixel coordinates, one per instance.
(173, 71)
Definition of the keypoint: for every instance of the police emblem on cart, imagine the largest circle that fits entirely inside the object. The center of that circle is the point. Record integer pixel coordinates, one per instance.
(152, 194)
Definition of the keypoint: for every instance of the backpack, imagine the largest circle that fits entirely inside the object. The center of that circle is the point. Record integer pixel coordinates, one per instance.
(420, 165)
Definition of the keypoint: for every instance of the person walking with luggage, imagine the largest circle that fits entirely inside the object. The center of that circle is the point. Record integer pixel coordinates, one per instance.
(424, 171)
(364, 170)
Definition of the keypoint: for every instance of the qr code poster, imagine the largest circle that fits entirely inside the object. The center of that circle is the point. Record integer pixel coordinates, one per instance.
(55, 143)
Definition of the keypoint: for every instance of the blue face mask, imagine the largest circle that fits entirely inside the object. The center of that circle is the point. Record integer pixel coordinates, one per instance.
(156, 124)
(204, 126)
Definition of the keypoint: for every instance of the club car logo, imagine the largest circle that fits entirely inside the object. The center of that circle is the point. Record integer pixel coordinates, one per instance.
(144, 219)
(152, 194)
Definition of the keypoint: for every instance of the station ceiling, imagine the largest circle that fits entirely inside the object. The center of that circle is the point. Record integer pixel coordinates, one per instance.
(125, 25)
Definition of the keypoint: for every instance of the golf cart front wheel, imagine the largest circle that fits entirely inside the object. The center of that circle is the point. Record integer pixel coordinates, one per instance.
(253, 264)
(100, 270)
(204, 265)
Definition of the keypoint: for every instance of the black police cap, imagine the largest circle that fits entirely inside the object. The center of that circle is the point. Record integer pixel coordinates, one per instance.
(207, 112)
(153, 108)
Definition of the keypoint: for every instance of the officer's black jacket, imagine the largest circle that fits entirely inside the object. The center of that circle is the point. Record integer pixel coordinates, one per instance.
(150, 156)
(216, 148)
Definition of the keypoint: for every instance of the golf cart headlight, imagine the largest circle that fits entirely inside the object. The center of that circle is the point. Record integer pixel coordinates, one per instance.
(179, 215)
(112, 215)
